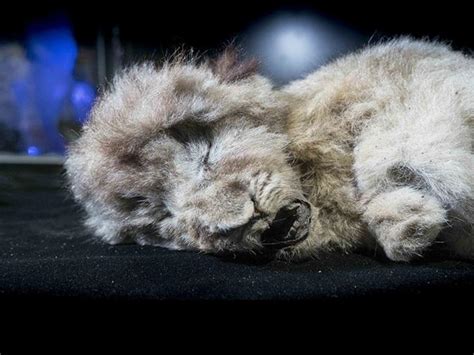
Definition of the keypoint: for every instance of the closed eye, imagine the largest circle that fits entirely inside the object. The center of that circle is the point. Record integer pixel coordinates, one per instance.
(130, 203)
(205, 160)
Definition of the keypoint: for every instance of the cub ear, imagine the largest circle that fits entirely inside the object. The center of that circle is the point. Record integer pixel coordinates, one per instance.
(229, 67)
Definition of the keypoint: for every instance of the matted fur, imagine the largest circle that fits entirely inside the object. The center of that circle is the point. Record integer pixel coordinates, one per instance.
(203, 156)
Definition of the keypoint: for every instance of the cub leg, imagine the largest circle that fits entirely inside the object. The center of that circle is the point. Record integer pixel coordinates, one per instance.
(404, 221)
(414, 179)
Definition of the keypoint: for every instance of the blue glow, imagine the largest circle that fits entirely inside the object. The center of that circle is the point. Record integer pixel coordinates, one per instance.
(52, 51)
(82, 98)
(44, 92)
(32, 150)
(52, 44)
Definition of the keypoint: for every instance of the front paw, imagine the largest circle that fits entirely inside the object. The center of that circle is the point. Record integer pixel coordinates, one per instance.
(289, 227)
(407, 240)
(405, 222)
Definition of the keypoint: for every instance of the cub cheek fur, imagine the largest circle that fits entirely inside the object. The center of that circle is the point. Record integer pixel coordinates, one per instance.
(276, 188)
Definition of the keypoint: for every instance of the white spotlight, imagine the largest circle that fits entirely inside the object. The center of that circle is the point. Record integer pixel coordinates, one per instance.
(290, 46)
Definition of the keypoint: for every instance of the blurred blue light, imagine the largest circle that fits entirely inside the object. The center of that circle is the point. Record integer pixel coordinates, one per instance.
(82, 98)
(32, 150)
(52, 50)
(52, 44)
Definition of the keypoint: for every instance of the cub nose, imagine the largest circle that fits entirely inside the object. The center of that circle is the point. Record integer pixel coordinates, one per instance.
(289, 227)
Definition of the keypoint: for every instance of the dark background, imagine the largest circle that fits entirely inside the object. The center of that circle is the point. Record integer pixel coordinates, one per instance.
(205, 24)
(114, 34)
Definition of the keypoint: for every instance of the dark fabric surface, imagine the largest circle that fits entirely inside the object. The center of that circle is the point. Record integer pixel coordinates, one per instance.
(46, 254)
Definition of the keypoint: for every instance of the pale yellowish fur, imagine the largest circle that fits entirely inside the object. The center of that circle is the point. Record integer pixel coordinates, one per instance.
(384, 141)
(209, 157)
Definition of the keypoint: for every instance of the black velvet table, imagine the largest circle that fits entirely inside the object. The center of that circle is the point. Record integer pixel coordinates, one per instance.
(46, 254)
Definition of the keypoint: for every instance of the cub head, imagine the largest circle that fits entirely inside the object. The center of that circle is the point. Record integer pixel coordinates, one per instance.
(190, 155)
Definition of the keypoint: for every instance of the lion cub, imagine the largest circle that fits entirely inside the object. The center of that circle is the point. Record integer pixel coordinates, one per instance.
(375, 147)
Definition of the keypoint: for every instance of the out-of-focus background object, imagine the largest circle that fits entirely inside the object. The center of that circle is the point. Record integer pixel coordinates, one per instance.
(47, 88)
(55, 57)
